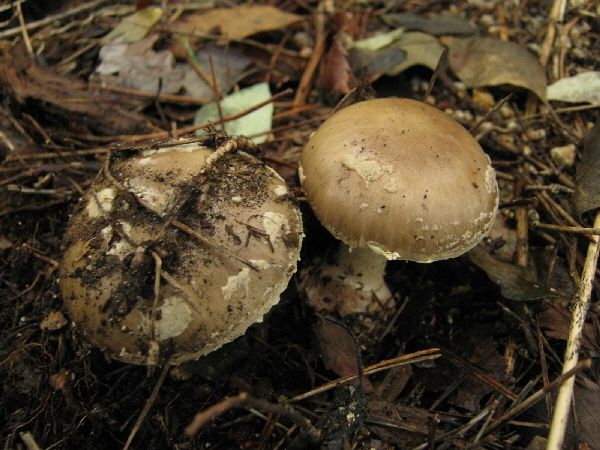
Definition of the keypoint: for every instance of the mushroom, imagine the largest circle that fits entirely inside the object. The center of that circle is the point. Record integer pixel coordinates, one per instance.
(177, 250)
(401, 178)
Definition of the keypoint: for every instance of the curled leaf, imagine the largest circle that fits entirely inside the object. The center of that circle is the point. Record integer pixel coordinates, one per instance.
(581, 88)
(437, 25)
(491, 62)
(335, 73)
(515, 282)
(237, 23)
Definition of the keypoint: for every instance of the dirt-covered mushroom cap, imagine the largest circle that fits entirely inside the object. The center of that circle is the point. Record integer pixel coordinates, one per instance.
(401, 177)
(165, 263)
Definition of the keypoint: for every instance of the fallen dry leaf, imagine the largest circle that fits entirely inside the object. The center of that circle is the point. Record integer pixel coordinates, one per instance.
(437, 25)
(484, 354)
(516, 282)
(421, 50)
(555, 320)
(135, 26)
(138, 66)
(236, 23)
(410, 424)
(229, 65)
(482, 61)
(335, 74)
(338, 348)
(581, 88)
(587, 178)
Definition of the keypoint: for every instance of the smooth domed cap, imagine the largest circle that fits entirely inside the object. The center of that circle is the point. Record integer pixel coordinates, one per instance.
(226, 257)
(401, 177)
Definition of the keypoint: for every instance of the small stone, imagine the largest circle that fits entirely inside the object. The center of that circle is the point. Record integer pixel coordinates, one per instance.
(53, 321)
(536, 135)
(563, 156)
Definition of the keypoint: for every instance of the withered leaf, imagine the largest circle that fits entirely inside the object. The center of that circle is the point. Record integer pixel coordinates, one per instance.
(437, 25)
(337, 347)
(581, 88)
(515, 282)
(491, 62)
(555, 320)
(228, 63)
(411, 424)
(139, 66)
(587, 178)
(335, 74)
(421, 49)
(237, 23)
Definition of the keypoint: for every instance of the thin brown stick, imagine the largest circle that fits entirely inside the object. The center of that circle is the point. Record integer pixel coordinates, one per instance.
(487, 115)
(537, 395)
(245, 400)
(567, 229)
(216, 90)
(581, 304)
(441, 64)
(310, 69)
(410, 358)
(167, 98)
(51, 19)
(23, 28)
(147, 407)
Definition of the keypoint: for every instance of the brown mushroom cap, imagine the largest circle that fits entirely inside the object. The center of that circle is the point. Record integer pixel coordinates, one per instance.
(401, 177)
(225, 257)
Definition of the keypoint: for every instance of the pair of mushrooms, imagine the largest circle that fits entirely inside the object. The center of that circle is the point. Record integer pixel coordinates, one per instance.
(177, 250)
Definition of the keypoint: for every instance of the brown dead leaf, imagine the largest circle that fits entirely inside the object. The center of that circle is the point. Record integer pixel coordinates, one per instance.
(555, 321)
(587, 405)
(410, 424)
(587, 179)
(482, 61)
(338, 348)
(437, 25)
(236, 23)
(485, 356)
(515, 282)
(335, 74)
(138, 66)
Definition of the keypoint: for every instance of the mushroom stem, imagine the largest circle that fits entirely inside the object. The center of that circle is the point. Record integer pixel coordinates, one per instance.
(350, 282)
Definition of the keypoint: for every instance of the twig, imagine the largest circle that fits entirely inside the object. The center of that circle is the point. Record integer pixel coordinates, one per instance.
(556, 15)
(26, 436)
(168, 98)
(537, 396)
(487, 115)
(52, 18)
(441, 65)
(147, 406)
(580, 309)
(245, 400)
(566, 229)
(410, 358)
(216, 90)
(313, 62)
(23, 29)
